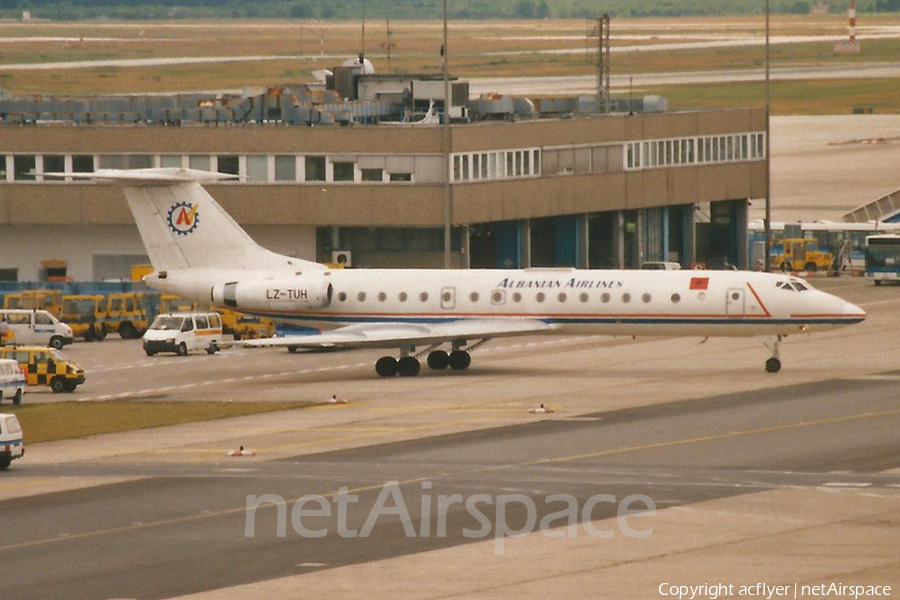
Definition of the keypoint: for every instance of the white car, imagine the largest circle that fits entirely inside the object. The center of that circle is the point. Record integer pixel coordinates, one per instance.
(12, 380)
(12, 445)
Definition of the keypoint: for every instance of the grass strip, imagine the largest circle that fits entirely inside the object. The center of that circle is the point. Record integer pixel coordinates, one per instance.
(72, 420)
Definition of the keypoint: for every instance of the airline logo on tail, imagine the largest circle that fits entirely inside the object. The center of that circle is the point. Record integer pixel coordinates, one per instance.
(183, 217)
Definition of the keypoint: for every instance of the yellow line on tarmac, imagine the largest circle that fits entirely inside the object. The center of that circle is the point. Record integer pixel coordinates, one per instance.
(708, 438)
(733, 434)
(188, 519)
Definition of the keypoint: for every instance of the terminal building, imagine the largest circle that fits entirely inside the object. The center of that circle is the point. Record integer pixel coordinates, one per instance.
(324, 178)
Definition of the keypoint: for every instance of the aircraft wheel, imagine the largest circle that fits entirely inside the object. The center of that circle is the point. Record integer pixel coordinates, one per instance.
(386, 366)
(460, 360)
(877, 282)
(773, 365)
(408, 366)
(438, 360)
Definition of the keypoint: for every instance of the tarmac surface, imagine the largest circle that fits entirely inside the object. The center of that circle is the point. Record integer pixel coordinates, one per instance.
(784, 479)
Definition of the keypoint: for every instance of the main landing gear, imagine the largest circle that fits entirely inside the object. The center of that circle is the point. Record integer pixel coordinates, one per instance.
(773, 365)
(408, 365)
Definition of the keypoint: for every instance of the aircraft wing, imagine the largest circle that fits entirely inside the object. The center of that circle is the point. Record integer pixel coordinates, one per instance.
(395, 335)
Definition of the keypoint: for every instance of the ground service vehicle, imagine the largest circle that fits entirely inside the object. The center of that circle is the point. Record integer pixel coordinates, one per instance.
(883, 258)
(49, 300)
(12, 444)
(35, 327)
(800, 254)
(242, 326)
(182, 332)
(12, 381)
(235, 324)
(46, 366)
(130, 313)
(86, 315)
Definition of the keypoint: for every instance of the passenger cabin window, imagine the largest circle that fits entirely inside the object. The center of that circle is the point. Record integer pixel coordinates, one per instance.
(474, 297)
(361, 296)
(540, 296)
(382, 296)
(423, 296)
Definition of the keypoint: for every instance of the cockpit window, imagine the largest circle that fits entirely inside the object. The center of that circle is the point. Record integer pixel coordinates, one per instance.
(793, 285)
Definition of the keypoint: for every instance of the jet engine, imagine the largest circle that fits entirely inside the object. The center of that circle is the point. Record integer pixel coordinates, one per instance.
(281, 294)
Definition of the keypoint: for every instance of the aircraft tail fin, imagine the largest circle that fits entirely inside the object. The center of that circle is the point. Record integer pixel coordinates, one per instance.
(182, 226)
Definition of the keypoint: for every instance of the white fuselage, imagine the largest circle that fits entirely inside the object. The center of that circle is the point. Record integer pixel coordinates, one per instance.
(606, 302)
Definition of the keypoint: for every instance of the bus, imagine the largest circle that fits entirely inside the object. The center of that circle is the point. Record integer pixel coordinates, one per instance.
(883, 258)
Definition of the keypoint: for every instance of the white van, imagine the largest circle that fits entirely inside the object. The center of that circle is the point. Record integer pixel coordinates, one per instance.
(182, 332)
(12, 380)
(35, 327)
(11, 444)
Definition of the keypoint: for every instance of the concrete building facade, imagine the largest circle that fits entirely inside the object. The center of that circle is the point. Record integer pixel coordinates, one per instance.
(588, 192)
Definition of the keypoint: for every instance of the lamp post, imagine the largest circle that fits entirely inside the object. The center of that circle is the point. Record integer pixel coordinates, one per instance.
(448, 206)
(767, 222)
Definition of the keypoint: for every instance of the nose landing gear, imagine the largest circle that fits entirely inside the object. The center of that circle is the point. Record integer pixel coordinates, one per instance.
(773, 365)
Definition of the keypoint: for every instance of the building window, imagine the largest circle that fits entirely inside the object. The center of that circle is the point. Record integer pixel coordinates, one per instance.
(286, 168)
(24, 168)
(258, 169)
(229, 164)
(114, 161)
(83, 163)
(401, 176)
(140, 161)
(343, 171)
(201, 163)
(315, 168)
(53, 163)
(372, 174)
(170, 161)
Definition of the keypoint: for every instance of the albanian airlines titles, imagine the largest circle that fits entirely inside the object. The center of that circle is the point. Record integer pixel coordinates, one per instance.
(573, 283)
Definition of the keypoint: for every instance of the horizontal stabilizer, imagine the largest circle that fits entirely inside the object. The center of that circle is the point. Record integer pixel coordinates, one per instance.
(140, 177)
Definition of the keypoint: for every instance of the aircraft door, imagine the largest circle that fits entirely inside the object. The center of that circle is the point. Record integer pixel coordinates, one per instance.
(734, 303)
(448, 298)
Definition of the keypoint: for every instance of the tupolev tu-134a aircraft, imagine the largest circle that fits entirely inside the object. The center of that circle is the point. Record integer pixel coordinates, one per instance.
(198, 251)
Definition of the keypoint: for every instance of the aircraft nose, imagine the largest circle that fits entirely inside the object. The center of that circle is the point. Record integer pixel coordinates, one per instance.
(851, 310)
